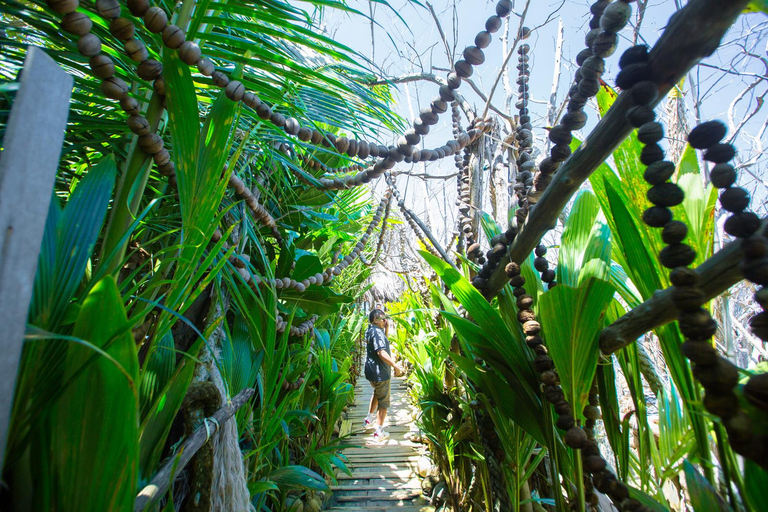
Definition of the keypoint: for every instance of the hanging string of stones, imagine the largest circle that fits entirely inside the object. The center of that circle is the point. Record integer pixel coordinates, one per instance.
(173, 37)
(575, 436)
(407, 215)
(601, 42)
(718, 376)
(382, 234)
(524, 138)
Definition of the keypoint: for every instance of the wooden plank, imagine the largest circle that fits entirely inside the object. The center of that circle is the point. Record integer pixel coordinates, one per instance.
(411, 484)
(32, 147)
(357, 475)
(417, 508)
(380, 496)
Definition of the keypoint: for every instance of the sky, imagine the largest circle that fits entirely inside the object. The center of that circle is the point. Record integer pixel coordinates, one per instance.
(406, 40)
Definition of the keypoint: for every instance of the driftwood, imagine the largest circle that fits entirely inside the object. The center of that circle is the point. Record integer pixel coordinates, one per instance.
(716, 275)
(162, 480)
(693, 33)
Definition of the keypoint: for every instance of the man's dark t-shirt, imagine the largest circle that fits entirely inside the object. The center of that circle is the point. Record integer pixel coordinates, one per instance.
(376, 370)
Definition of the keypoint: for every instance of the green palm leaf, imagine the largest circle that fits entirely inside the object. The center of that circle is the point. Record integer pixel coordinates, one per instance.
(571, 320)
(94, 450)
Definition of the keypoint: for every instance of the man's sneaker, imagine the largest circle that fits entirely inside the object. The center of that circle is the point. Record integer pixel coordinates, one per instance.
(369, 423)
(380, 435)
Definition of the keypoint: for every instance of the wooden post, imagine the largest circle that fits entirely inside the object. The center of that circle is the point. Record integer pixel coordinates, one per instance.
(28, 165)
(162, 481)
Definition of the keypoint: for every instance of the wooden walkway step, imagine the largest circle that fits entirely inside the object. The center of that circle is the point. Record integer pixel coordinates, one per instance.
(384, 476)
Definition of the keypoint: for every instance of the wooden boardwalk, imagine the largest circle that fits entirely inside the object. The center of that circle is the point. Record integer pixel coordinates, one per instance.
(384, 476)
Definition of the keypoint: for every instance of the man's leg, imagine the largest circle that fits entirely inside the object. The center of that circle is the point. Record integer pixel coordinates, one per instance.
(382, 415)
(374, 404)
(383, 403)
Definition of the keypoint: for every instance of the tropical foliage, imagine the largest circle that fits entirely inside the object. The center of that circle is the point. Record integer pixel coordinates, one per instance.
(137, 298)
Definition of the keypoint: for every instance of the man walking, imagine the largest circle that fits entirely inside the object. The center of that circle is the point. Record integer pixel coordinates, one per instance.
(377, 362)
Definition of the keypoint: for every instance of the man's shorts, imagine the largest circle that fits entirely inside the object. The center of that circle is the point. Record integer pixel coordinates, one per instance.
(381, 392)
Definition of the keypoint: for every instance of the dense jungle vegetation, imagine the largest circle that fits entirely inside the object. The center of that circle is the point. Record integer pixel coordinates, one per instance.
(230, 192)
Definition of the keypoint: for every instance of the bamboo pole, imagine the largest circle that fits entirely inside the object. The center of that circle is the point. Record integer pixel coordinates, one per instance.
(694, 32)
(159, 485)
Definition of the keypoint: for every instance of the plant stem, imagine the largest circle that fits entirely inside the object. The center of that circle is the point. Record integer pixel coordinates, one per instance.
(580, 481)
(130, 189)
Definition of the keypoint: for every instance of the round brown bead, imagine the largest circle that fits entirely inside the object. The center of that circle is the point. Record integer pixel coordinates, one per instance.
(122, 28)
(720, 153)
(723, 175)
(659, 172)
(742, 225)
(734, 199)
(149, 70)
(220, 79)
(707, 134)
(206, 67)
(251, 100)
(136, 50)
(159, 86)
(168, 169)
(63, 6)
(277, 119)
(102, 66)
(699, 352)
(129, 105)
(138, 124)
(114, 88)
(575, 437)
(657, 216)
(235, 90)
(155, 20)
(173, 37)
(162, 157)
(463, 69)
(108, 9)
(531, 327)
(76, 23)
(89, 45)
(677, 255)
(263, 111)
(138, 7)
(666, 194)
(687, 298)
(190, 52)
(150, 143)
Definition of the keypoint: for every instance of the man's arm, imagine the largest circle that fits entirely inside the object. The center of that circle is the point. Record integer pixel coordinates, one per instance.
(388, 360)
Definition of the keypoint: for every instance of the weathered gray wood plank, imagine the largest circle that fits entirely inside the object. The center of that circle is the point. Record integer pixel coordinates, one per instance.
(33, 140)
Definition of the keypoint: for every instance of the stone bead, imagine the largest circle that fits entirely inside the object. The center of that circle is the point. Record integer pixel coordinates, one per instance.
(76, 23)
(129, 105)
(155, 20)
(108, 9)
(150, 69)
(136, 50)
(89, 45)
(138, 7)
(63, 6)
(173, 37)
(234, 90)
(162, 157)
(102, 66)
(150, 143)
(206, 67)
(114, 88)
(220, 79)
(190, 52)
(138, 124)
(159, 86)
